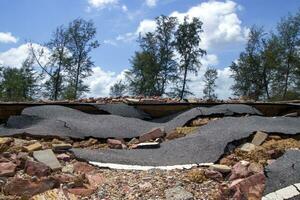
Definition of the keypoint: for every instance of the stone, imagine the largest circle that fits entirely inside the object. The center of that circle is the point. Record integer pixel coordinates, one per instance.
(146, 145)
(7, 169)
(55, 194)
(173, 135)
(83, 168)
(63, 157)
(6, 140)
(247, 147)
(94, 179)
(287, 192)
(83, 192)
(62, 146)
(26, 188)
(275, 153)
(76, 181)
(68, 169)
(178, 193)
(255, 168)
(38, 169)
(133, 141)
(259, 138)
(48, 158)
(152, 135)
(33, 147)
(240, 170)
(145, 186)
(115, 144)
(251, 187)
(220, 168)
(214, 175)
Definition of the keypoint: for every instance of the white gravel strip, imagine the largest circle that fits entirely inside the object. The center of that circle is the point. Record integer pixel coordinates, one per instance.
(139, 167)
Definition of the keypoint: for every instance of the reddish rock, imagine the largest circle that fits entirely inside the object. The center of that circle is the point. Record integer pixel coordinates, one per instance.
(115, 144)
(82, 191)
(214, 175)
(77, 181)
(38, 169)
(27, 188)
(255, 168)
(240, 170)
(7, 169)
(249, 188)
(152, 135)
(94, 179)
(83, 168)
(274, 153)
(64, 157)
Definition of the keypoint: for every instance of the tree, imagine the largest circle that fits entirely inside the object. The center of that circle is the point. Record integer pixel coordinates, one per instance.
(210, 77)
(19, 84)
(289, 39)
(142, 77)
(165, 29)
(187, 44)
(249, 73)
(57, 63)
(81, 41)
(118, 89)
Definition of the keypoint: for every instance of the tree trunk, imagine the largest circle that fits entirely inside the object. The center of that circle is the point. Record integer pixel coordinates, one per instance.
(184, 82)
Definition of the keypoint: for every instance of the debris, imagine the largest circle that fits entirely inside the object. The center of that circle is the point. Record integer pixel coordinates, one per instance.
(259, 138)
(64, 157)
(83, 168)
(54, 194)
(26, 188)
(7, 169)
(33, 147)
(293, 114)
(38, 169)
(248, 147)
(178, 193)
(147, 145)
(83, 192)
(68, 168)
(116, 144)
(48, 158)
(220, 168)
(152, 135)
(62, 146)
(197, 176)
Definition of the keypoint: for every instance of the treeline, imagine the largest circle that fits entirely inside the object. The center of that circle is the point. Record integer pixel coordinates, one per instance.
(269, 67)
(56, 70)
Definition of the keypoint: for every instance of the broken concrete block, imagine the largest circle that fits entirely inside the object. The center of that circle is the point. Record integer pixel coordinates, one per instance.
(33, 147)
(62, 146)
(152, 135)
(6, 140)
(248, 147)
(48, 158)
(220, 168)
(115, 144)
(259, 138)
(287, 192)
(147, 145)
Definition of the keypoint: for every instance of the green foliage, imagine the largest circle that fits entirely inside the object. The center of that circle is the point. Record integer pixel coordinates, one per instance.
(187, 44)
(118, 89)
(210, 77)
(19, 84)
(81, 41)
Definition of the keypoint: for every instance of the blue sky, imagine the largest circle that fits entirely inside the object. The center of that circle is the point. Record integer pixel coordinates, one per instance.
(118, 22)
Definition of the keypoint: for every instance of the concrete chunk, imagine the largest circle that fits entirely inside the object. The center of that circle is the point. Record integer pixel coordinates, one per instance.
(259, 138)
(248, 147)
(33, 147)
(48, 158)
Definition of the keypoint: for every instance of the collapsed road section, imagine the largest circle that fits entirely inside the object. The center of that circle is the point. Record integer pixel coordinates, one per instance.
(226, 151)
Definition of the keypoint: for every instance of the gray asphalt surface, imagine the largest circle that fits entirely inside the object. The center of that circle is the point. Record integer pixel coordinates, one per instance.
(283, 172)
(207, 145)
(66, 122)
(123, 110)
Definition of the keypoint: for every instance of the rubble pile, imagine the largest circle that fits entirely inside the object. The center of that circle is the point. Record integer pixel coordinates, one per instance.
(217, 153)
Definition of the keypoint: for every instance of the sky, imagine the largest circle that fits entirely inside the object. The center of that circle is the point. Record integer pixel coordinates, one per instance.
(119, 22)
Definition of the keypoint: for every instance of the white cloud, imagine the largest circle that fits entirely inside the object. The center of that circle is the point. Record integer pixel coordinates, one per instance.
(151, 3)
(101, 81)
(124, 8)
(100, 4)
(221, 23)
(146, 26)
(7, 38)
(14, 57)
